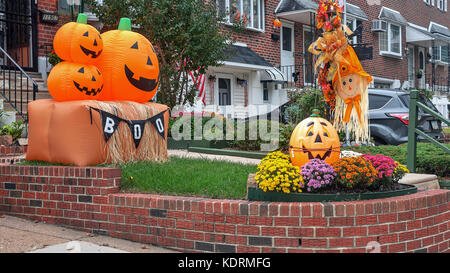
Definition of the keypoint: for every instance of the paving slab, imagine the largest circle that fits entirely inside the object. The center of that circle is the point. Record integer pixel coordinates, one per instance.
(19, 235)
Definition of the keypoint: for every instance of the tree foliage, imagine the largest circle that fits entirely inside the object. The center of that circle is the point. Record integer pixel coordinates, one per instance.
(187, 35)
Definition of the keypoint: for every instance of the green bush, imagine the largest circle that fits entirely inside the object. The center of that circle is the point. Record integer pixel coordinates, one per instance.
(14, 129)
(252, 128)
(430, 159)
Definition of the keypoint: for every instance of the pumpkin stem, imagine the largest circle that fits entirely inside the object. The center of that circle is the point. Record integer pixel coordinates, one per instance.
(125, 24)
(316, 113)
(82, 18)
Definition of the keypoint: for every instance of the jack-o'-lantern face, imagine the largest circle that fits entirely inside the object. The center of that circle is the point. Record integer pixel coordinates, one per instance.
(130, 66)
(140, 63)
(78, 42)
(312, 138)
(71, 81)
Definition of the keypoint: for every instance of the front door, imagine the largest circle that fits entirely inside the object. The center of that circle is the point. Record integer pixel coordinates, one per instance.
(18, 29)
(308, 60)
(224, 91)
(421, 81)
(287, 49)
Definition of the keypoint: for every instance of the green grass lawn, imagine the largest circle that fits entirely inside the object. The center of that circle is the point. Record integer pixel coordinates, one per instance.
(188, 177)
(182, 176)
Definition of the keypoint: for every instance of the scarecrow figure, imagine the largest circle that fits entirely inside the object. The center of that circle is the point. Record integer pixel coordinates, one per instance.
(340, 74)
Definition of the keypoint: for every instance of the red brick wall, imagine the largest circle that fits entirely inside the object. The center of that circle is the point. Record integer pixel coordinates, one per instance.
(88, 199)
(46, 32)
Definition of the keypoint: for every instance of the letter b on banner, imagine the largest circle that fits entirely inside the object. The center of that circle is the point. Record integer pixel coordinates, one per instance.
(109, 125)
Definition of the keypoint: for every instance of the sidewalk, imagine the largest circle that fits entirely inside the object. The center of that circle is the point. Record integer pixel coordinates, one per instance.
(19, 235)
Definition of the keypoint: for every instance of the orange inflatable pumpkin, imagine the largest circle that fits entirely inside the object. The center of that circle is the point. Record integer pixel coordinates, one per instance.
(72, 81)
(277, 23)
(78, 42)
(129, 65)
(314, 137)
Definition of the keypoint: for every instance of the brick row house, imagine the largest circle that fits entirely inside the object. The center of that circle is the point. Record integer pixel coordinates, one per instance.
(402, 44)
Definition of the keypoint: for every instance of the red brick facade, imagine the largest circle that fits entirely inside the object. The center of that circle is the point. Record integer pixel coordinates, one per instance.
(89, 199)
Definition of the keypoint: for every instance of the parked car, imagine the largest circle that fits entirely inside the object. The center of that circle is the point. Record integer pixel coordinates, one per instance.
(389, 117)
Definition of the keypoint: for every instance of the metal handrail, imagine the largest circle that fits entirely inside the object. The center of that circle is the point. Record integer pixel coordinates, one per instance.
(18, 90)
(18, 66)
(413, 131)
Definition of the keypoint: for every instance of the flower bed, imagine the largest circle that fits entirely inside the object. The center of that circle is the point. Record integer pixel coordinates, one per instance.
(349, 178)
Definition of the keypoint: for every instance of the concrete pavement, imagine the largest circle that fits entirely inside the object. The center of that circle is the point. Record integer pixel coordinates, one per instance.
(20, 236)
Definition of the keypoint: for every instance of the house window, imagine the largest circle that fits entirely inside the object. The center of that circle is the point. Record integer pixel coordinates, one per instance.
(391, 40)
(440, 54)
(251, 12)
(265, 92)
(352, 24)
(427, 2)
(70, 7)
(442, 5)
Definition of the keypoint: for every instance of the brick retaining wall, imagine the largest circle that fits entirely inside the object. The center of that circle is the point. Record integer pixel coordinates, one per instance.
(89, 199)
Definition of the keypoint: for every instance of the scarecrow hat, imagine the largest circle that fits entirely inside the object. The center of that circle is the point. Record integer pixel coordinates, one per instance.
(349, 64)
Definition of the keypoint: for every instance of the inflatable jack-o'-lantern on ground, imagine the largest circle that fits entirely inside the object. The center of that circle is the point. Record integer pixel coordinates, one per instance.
(78, 127)
(340, 74)
(314, 137)
(129, 64)
(78, 42)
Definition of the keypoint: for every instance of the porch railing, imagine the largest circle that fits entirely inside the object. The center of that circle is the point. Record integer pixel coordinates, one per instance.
(16, 86)
(413, 131)
(298, 76)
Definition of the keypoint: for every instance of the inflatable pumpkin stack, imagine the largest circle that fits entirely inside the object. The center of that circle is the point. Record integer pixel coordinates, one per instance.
(101, 111)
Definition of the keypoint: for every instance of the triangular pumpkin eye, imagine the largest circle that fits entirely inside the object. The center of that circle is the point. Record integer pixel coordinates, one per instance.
(86, 34)
(149, 62)
(310, 133)
(93, 79)
(81, 70)
(135, 46)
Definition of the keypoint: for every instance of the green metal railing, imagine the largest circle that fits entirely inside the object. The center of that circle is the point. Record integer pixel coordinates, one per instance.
(413, 131)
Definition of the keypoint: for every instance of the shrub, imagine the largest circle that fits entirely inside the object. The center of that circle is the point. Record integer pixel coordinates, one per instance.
(14, 129)
(317, 175)
(355, 172)
(253, 139)
(276, 173)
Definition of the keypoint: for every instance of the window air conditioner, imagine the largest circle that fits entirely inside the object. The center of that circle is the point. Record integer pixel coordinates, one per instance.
(379, 25)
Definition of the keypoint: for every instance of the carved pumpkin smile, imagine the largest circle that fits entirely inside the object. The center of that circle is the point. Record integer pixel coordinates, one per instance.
(143, 84)
(318, 156)
(85, 90)
(90, 52)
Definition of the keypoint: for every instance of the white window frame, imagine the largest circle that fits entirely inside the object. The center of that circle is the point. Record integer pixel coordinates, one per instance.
(428, 2)
(438, 60)
(389, 52)
(261, 14)
(305, 50)
(353, 19)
